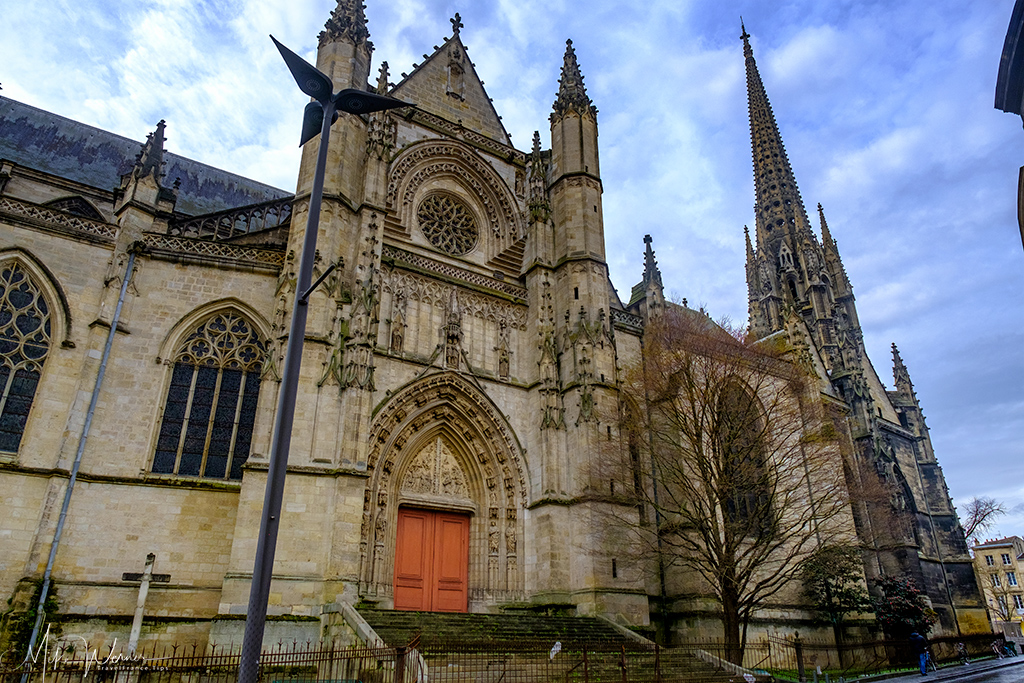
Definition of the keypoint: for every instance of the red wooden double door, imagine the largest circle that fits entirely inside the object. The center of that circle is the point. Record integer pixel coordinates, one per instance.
(432, 561)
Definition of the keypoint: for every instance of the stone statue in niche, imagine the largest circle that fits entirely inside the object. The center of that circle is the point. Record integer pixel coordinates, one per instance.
(492, 540)
(504, 353)
(398, 323)
(456, 86)
(453, 333)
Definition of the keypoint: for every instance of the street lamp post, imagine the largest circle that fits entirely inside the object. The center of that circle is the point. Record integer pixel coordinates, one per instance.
(321, 113)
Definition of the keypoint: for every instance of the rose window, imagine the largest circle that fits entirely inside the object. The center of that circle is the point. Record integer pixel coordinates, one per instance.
(448, 224)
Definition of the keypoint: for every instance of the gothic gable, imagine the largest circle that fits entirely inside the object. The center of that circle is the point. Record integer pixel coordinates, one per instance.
(446, 84)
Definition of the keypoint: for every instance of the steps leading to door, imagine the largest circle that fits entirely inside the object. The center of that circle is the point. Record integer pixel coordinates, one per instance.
(399, 627)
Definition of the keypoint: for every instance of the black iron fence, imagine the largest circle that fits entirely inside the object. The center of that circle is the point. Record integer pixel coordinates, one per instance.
(798, 659)
(786, 658)
(455, 663)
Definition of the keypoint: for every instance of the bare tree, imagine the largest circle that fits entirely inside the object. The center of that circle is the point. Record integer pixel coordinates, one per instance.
(736, 473)
(980, 515)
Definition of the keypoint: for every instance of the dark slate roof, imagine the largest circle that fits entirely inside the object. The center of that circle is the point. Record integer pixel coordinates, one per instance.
(53, 144)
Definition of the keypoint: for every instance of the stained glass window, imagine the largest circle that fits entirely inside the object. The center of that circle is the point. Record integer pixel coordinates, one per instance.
(211, 402)
(24, 343)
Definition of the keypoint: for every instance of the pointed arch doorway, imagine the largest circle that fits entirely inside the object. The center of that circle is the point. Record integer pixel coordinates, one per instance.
(446, 468)
(432, 561)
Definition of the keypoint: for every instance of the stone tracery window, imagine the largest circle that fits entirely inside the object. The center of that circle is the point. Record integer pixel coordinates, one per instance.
(448, 224)
(211, 403)
(24, 344)
(744, 484)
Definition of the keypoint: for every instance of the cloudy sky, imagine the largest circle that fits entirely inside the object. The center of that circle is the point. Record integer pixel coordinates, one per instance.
(885, 108)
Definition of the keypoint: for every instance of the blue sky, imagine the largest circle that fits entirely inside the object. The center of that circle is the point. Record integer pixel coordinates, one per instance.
(885, 108)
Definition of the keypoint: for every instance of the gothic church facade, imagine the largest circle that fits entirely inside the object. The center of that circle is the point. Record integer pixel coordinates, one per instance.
(460, 368)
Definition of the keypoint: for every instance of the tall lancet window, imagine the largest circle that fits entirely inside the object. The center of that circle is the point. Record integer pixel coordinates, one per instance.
(24, 343)
(211, 404)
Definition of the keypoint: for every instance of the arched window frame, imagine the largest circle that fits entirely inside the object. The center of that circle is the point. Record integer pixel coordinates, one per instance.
(208, 416)
(744, 482)
(29, 323)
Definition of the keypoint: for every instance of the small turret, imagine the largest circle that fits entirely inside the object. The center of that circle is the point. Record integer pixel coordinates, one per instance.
(901, 376)
(142, 186)
(344, 46)
(347, 23)
(573, 122)
(572, 94)
(649, 293)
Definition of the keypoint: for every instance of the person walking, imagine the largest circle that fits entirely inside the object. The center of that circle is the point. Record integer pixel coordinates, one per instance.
(920, 646)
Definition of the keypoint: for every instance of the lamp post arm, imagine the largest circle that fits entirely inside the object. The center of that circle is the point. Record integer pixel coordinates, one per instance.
(256, 615)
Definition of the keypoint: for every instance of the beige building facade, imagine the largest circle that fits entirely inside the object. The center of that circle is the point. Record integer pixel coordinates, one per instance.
(460, 373)
(998, 564)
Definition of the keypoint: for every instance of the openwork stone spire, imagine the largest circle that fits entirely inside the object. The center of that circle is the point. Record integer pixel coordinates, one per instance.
(572, 95)
(780, 210)
(347, 22)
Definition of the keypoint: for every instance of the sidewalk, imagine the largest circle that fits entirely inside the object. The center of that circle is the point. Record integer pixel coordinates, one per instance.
(951, 672)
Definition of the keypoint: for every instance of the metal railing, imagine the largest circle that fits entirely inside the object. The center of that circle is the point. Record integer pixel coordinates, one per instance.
(325, 663)
(786, 658)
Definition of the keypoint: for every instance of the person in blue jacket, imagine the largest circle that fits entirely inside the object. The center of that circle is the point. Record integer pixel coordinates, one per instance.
(920, 646)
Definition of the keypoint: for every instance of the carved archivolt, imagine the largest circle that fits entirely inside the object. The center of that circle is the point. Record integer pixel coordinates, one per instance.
(433, 292)
(429, 159)
(442, 443)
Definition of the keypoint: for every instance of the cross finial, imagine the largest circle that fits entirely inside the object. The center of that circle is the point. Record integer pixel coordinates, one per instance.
(456, 24)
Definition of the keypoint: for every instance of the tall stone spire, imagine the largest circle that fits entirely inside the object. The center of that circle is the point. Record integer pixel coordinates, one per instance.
(347, 22)
(779, 208)
(572, 95)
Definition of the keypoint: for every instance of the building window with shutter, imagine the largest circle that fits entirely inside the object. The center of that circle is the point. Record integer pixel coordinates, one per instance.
(208, 418)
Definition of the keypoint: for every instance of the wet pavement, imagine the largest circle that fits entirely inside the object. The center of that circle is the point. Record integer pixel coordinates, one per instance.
(1009, 670)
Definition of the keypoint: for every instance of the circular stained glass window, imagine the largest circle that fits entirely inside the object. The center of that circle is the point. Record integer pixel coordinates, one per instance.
(448, 224)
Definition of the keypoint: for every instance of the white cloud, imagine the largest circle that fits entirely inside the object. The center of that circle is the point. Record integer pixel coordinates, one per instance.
(886, 110)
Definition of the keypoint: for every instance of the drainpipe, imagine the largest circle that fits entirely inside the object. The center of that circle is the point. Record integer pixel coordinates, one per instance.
(78, 461)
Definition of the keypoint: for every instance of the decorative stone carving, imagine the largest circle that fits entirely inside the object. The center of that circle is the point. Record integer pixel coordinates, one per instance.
(447, 224)
(435, 472)
(456, 273)
(398, 322)
(504, 350)
(453, 333)
(443, 157)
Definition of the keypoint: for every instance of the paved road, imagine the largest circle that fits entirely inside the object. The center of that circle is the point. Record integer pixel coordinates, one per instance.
(1013, 674)
(1006, 672)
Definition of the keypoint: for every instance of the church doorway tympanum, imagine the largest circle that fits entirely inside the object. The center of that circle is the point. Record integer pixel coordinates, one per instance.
(432, 561)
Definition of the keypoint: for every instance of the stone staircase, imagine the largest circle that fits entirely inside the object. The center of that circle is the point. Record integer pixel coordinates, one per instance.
(514, 647)
(503, 630)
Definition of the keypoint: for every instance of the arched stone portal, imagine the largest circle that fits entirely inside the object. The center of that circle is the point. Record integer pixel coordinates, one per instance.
(440, 444)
